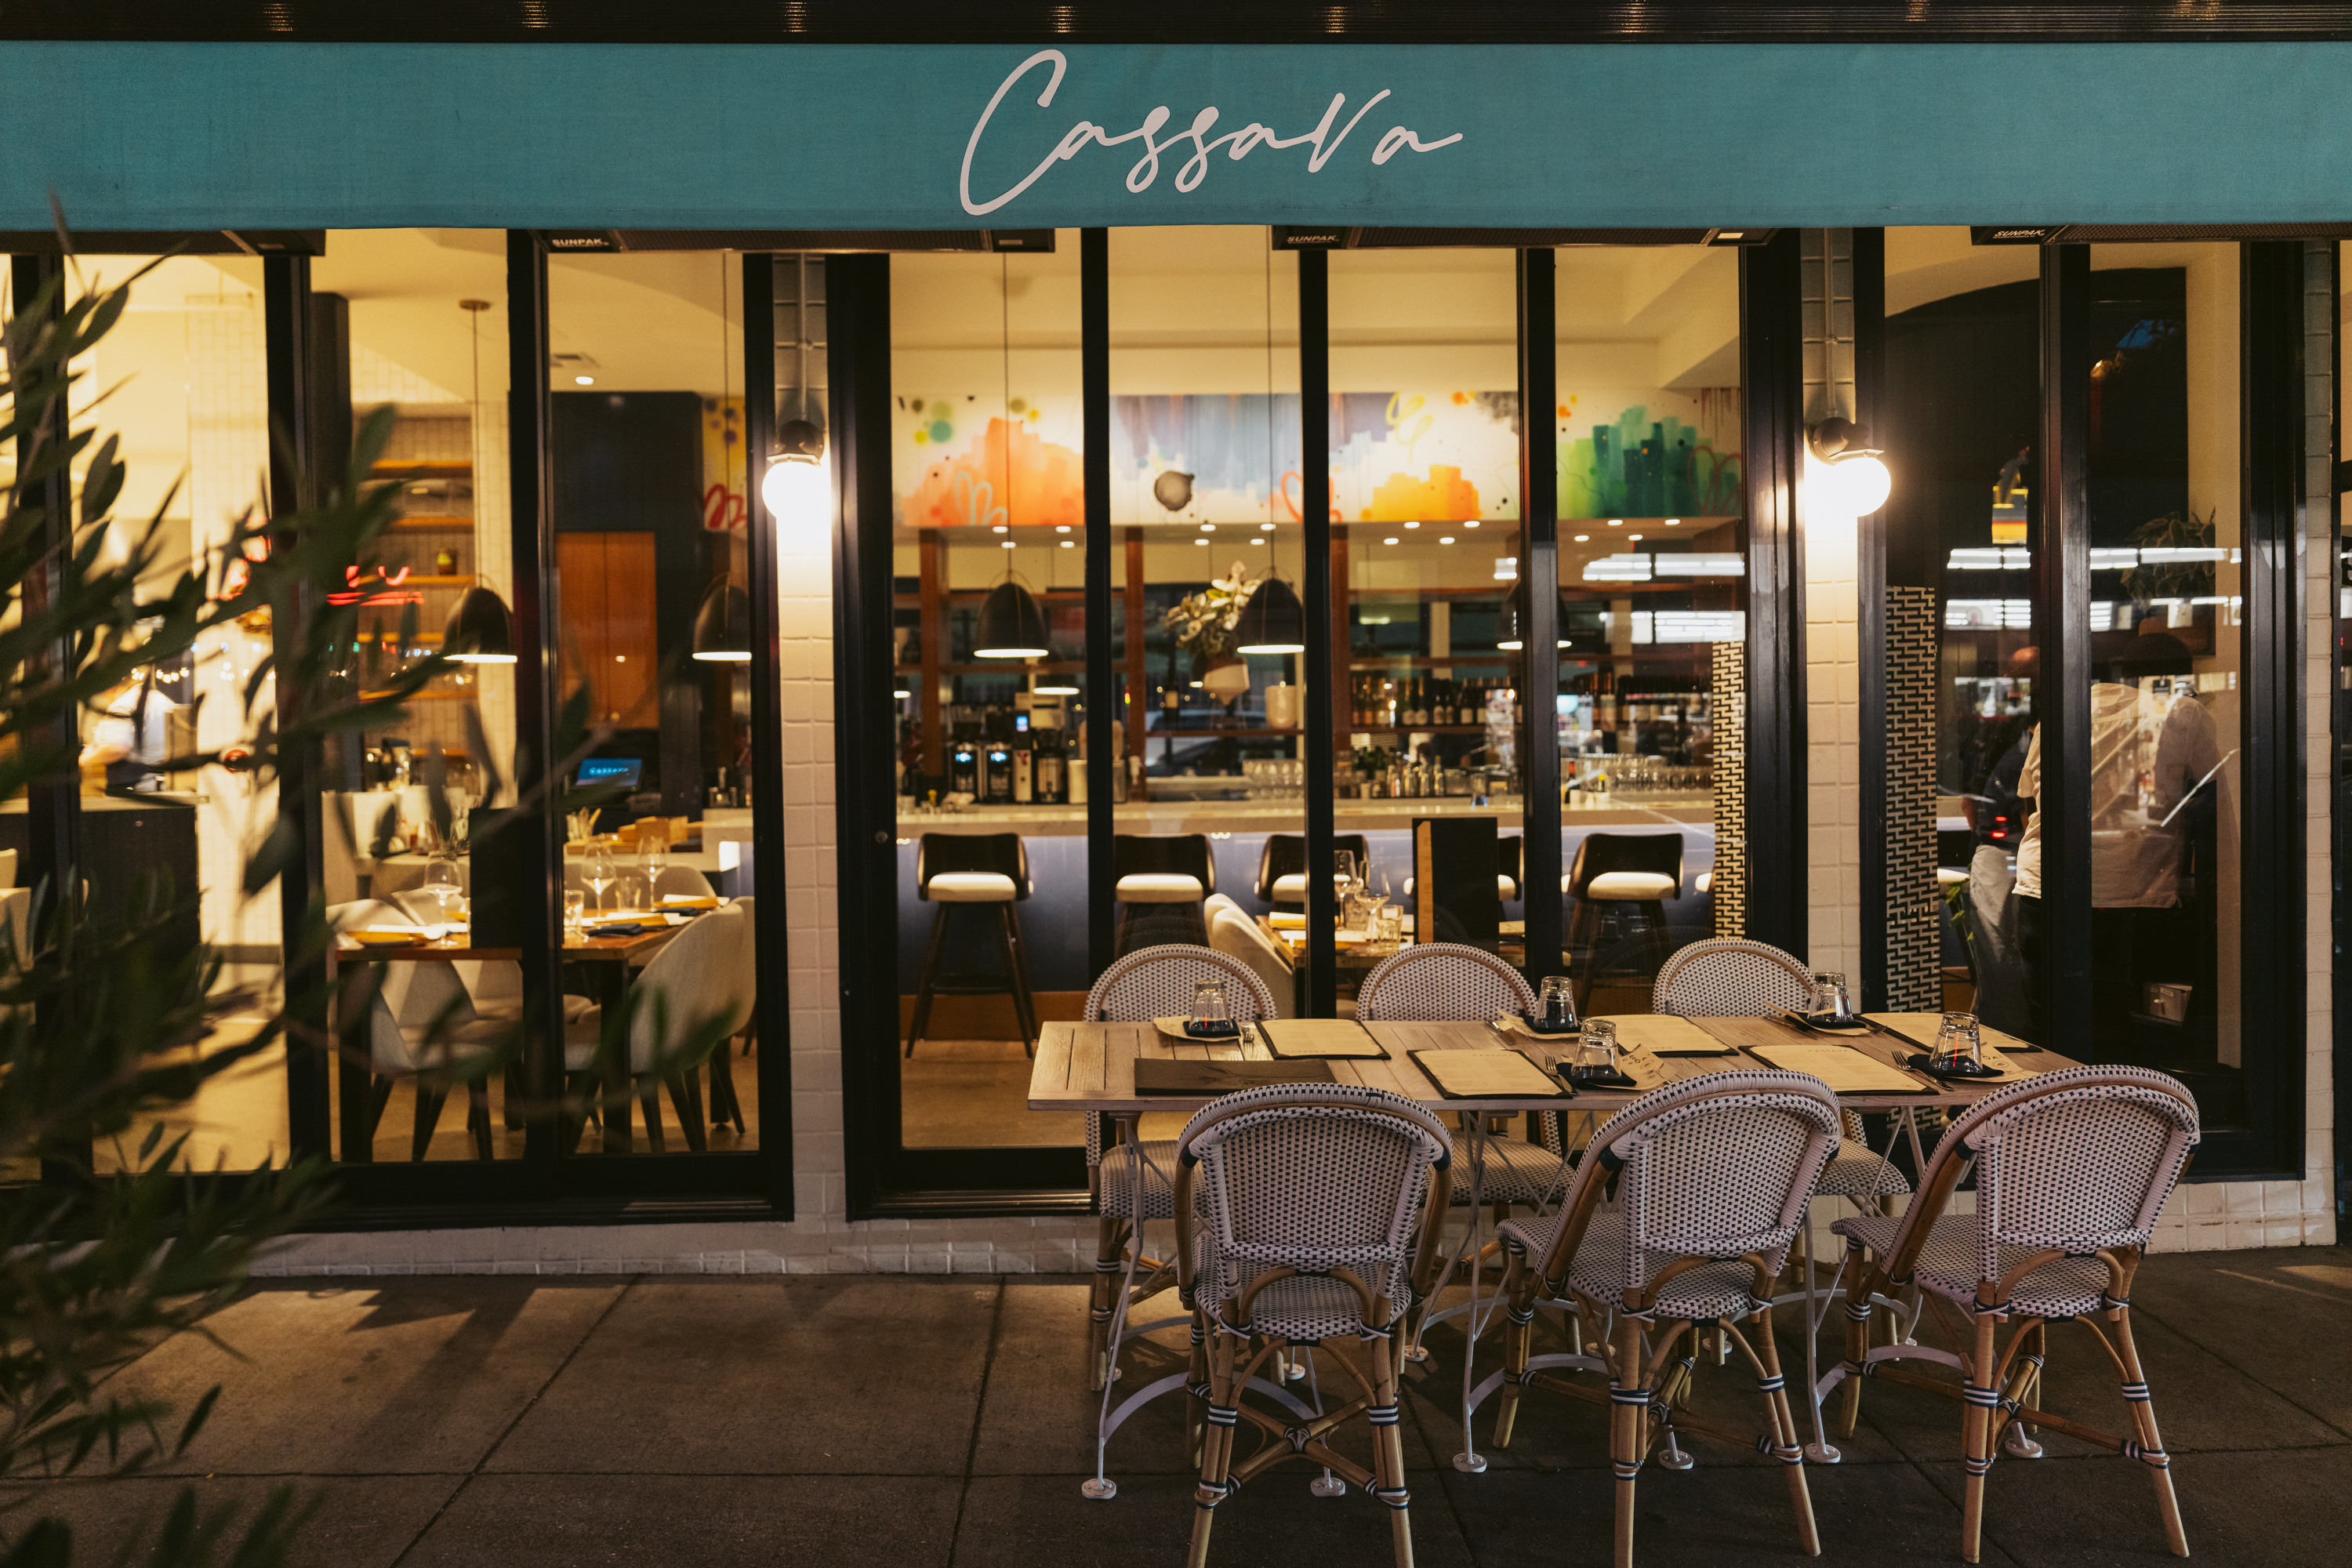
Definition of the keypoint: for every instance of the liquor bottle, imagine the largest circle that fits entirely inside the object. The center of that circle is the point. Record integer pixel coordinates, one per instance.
(1417, 712)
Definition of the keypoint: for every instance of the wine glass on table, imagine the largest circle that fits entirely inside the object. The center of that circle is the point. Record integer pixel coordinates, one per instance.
(653, 852)
(597, 873)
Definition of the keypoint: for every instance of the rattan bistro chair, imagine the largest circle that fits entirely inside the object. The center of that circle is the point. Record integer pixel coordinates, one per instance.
(1297, 1212)
(2071, 1168)
(1713, 1175)
(1139, 1183)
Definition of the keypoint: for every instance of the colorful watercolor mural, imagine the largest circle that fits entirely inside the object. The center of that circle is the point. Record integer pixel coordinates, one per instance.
(1666, 454)
(724, 504)
(1396, 457)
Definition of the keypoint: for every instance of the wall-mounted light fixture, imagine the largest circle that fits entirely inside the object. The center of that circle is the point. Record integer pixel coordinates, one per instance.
(796, 487)
(1846, 476)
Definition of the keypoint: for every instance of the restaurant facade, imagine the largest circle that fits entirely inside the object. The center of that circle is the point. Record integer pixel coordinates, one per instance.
(1053, 490)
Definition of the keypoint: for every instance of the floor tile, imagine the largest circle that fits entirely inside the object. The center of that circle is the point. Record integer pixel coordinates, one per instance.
(390, 1377)
(355, 1521)
(2276, 1316)
(1021, 1521)
(773, 1376)
(707, 1522)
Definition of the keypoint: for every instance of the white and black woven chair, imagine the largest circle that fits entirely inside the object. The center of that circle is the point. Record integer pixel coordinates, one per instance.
(1305, 1214)
(2072, 1169)
(1138, 1182)
(1713, 1175)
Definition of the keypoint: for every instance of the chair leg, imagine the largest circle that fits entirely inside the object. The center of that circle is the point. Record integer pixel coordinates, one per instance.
(1519, 1329)
(722, 1084)
(478, 1117)
(1629, 1428)
(428, 1117)
(1110, 1249)
(1217, 1447)
(1858, 1316)
(685, 1094)
(1388, 1445)
(931, 973)
(1975, 1437)
(649, 1096)
(2151, 1441)
(1788, 1448)
(1017, 963)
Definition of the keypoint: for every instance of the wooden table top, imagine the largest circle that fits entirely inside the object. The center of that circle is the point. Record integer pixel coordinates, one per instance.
(460, 949)
(1091, 1067)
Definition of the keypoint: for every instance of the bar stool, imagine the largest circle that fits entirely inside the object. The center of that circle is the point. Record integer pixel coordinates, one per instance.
(1621, 878)
(990, 869)
(1168, 875)
(1508, 853)
(1282, 866)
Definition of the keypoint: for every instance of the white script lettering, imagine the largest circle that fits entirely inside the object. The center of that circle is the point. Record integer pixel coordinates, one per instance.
(1238, 145)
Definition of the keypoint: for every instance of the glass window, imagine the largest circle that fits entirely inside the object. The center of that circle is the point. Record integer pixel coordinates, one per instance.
(989, 638)
(1652, 551)
(651, 602)
(1425, 507)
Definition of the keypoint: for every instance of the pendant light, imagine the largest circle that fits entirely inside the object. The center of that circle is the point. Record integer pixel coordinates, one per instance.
(1011, 624)
(723, 625)
(480, 630)
(1272, 621)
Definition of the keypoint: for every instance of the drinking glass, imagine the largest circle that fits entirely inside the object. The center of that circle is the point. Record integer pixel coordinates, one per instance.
(441, 887)
(575, 915)
(652, 851)
(1391, 919)
(1596, 1051)
(1208, 1004)
(1555, 1007)
(1343, 870)
(596, 872)
(1958, 1046)
(1830, 999)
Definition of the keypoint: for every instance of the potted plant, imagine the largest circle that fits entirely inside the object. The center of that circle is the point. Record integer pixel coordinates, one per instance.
(1205, 625)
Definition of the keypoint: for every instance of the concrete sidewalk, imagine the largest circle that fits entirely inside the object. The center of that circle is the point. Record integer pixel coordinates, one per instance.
(922, 1421)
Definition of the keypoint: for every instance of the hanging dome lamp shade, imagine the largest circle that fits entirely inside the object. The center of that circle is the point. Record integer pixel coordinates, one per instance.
(1272, 621)
(481, 629)
(1010, 625)
(723, 625)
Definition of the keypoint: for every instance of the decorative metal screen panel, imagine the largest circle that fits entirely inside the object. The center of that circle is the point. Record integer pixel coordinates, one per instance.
(1914, 915)
(1731, 789)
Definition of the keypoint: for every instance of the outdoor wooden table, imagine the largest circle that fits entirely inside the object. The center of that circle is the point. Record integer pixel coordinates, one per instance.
(614, 957)
(1091, 1068)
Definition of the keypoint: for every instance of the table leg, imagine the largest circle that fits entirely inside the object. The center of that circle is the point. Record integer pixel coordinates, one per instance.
(1469, 1461)
(611, 986)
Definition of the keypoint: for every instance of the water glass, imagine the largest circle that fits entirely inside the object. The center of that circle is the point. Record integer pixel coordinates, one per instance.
(1392, 923)
(1829, 998)
(575, 915)
(1958, 1046)
(1343, 869)
(1208, 1004)
(1596, 1052)
(1555, 1007)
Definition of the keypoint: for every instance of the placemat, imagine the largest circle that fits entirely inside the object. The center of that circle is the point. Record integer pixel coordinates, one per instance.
(1920, 1028)
(1487, 1075)
(1200, 1080)
(1663, 1035)
(1845, 1070)
(1296, 1037)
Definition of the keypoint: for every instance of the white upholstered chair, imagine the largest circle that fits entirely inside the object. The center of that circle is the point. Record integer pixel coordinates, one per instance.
(699, 984)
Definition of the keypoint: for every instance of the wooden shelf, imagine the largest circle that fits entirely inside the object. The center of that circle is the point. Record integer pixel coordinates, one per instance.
(1501, 660)
(1004, 667)
(1219, 734)
(1417, 728)
(422, 469)
(418, 521)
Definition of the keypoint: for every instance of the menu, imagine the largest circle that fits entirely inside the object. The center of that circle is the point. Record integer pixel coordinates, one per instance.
(1319, 1038)
(1844, 1069)
(1487, 1075)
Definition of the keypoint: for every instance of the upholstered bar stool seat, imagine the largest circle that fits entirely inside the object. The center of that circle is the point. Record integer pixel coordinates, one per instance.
(1159, 888)
(1166, 877)
(972, 887)
(1620, 879)
(1282, 866)
(1627, 885)
(984, 871)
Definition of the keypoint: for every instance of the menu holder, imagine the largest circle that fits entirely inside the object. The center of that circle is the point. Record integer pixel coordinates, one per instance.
(1921, 1028)
(1663, 1035)
(1329, 1038)
(1487, 1075)
(1844, 1068)
(1206, 1080)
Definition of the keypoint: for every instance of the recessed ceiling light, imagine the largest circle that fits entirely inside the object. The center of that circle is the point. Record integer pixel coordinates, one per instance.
(1412, 525)
(1584, 539)
(1616, 523)
(1008, 544)
(1208, 528)
(1265, 528)
(1447, 540)
(1200, 541)
(1391, 540)
(1469, 522)
(1069, 544)
(1673, 523)
(585, 380)
(902, 696)
(1061, 528)
(1000, 528)
(1261, 542)
(1632, 536)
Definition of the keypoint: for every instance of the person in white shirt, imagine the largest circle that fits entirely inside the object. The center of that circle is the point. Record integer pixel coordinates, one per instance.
(2153, 752)
(133, 739)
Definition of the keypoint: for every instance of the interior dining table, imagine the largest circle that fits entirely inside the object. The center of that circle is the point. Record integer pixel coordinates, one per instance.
(1090, 1068)
(610, 961)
